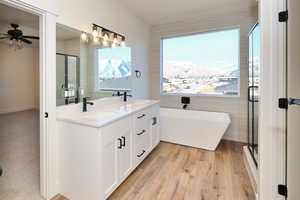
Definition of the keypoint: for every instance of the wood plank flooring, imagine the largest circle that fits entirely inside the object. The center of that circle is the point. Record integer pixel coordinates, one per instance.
(175, 172)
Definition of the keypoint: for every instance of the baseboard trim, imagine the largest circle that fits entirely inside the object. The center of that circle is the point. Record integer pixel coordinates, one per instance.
(226, 137)
(17, 109)
(251, 169)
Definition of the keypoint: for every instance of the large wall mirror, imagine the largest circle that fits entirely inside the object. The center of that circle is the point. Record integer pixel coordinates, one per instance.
(89, 69)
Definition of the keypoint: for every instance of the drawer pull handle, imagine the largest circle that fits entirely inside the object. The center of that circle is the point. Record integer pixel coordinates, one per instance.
(141, 116)
(141, 133)
(120, 143)
(140, 155)
(154, 121)
(124, 141)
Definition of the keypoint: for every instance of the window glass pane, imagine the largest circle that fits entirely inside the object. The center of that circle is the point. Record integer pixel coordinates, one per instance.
(206, 63)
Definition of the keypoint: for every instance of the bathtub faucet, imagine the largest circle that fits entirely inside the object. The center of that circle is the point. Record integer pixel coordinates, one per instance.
(185, 101)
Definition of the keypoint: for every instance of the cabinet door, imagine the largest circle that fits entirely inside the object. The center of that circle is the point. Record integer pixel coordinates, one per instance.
(155, 138)
(125, 155)
(154, 126)
(110, 171)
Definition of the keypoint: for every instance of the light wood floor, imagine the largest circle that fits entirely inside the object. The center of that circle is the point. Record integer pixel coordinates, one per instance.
(19, 156)
(175, 172)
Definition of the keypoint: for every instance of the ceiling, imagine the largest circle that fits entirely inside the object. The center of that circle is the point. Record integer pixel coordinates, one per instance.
(157, 12)
(66, 33)
(10, 15)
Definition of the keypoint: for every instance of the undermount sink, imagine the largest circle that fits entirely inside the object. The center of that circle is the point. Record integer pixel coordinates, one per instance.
(97, 115)
(139, 102)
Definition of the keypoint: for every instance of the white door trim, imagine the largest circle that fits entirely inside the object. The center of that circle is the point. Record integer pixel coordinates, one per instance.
(273, 86)
(47, 94)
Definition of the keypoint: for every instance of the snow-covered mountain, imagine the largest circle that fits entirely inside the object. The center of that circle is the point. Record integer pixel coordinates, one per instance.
(109, 69)
(189, 70)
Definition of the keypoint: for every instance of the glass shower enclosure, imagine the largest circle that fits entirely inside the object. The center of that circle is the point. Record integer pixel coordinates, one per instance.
(253, 90)
(67, 79)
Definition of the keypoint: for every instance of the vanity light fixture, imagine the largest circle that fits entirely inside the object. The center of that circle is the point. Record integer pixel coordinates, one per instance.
(108, 36)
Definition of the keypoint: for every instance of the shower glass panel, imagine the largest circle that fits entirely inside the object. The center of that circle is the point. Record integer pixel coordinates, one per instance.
(67, 79)
(60, 79)
(253, 90)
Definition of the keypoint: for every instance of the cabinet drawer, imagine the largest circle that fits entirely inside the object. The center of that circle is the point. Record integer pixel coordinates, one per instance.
(143, 140)
(141, 125)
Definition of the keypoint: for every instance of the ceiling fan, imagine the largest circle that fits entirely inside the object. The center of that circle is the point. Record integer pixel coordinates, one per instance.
(16, 37)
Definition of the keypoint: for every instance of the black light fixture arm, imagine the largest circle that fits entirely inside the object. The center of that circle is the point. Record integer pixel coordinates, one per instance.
(109, 31)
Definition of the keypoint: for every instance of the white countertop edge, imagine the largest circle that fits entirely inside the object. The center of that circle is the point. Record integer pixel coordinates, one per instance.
(109, 121)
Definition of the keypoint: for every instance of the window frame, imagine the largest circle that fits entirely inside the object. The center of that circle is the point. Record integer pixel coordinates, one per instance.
(162, 38)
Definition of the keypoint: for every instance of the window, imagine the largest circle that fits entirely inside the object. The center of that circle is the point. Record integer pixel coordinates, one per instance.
(114, 68)
(201, 64)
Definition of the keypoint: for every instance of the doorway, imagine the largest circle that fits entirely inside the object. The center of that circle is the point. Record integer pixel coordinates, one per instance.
(19, 105)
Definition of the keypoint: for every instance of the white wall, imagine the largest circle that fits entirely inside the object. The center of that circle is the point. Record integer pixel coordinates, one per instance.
(19, 88)
(219, 18)
(110, 14)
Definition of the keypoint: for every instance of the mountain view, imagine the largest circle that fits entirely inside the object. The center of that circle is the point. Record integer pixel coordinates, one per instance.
(205, 63)
(114, 69)
(189, 78)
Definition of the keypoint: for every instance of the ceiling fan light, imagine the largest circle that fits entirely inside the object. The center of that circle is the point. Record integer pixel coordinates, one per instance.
(20, 44)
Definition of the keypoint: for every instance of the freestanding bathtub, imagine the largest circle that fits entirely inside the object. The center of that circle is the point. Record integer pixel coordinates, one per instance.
(199, 129)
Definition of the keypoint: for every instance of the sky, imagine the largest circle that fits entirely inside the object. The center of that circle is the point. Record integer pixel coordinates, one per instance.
(117, 53)
(215, 49)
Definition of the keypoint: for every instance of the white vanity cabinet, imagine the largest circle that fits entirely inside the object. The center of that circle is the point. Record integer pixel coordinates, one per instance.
(94, 161)
(146, 132)
(116, 154)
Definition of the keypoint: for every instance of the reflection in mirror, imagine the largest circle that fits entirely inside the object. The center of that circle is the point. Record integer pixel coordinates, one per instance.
(88, 69)
(114, 69)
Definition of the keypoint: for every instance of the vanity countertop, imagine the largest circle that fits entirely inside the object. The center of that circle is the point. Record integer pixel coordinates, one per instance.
(103, 112)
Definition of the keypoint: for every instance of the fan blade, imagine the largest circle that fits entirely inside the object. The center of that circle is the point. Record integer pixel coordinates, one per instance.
(31, 37)
(25, 40)
(3, 38)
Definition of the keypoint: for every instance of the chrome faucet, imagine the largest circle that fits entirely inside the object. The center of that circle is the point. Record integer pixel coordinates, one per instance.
(84, 104)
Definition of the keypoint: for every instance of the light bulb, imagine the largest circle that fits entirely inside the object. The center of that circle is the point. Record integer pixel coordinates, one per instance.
(19, 44)
(95, 33)
(105, 43)
(83, 36)
(11, 42)
(123, 43)
(115, 41)
(95, 39)
(105, 36)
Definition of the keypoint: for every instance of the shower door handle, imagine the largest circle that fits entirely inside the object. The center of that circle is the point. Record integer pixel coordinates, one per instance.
(250, 98)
